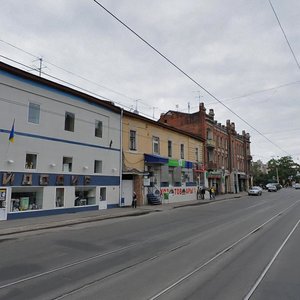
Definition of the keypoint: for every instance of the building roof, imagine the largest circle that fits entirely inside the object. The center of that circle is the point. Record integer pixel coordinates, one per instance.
(40, 80)
(159, 124)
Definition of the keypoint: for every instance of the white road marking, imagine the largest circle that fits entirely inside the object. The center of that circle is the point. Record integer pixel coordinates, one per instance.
(218, 255)
(259, 280)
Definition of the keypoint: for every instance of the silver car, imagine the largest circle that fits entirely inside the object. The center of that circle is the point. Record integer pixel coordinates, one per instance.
(255, 191)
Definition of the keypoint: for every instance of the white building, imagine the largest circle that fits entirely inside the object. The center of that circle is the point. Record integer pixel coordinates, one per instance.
(66, 151)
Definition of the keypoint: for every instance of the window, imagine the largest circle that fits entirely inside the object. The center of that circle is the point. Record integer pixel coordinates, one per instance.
(34, 113)
(155, 143)
(169, 148)
(67, 164)
(69, 121)
(31, 161)
(132, 140)
(197, 154)
(98, 129)
(182, 151)
(98, 166)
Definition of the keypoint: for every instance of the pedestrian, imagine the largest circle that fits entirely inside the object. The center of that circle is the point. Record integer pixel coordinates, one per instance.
(134, 200)
(212, 193)
(198, 192)
(202, 193)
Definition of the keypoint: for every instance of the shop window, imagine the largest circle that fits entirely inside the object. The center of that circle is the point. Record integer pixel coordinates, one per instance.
(155, 143)
(169, 148)
(23, 201)
(85, 196)
(98, 129)
(67, 164)
(98, 166)
(132, 141)
(31, 161)
(34, 113)
(69, 121)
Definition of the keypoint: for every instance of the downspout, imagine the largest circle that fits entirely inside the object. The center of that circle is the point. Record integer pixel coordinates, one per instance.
(121, 157)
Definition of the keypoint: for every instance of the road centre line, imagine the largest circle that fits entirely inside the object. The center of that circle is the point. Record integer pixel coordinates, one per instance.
(219, 254)
(259, 280)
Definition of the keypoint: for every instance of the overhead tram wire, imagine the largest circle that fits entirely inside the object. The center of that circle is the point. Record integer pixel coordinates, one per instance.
(74, 74)
(287, 41)
(186, 75)
(74, 86)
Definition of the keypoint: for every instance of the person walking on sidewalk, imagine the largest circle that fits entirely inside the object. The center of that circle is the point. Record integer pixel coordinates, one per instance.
(203, 193)
(134, 200)
(212, 193)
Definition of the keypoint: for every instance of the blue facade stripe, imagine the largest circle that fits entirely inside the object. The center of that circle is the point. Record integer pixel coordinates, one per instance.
(49, 212)
(95, 180)
(36, 136)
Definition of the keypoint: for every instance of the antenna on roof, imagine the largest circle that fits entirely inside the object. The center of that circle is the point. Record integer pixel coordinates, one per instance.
(136, 108)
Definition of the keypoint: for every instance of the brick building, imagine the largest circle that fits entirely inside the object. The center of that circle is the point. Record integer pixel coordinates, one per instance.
(227, 154)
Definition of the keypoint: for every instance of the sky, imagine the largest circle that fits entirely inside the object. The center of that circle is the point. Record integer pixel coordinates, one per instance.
(234, 50)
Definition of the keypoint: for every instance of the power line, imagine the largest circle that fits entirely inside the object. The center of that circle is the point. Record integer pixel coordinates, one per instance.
(38, 69)
(185, 74)
(285, 35)
(75, 86)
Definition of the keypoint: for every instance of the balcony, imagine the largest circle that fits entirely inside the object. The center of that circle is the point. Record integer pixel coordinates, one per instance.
(210, 143)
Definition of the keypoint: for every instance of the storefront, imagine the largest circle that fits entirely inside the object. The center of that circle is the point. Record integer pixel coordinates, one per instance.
(171, 179)
(30, 195)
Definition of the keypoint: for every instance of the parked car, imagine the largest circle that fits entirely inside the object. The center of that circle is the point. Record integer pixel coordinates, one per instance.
(272, 188)
(255, 191)
(297, 186)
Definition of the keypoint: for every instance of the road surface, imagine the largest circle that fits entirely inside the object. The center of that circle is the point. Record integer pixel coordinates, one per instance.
(245, 248)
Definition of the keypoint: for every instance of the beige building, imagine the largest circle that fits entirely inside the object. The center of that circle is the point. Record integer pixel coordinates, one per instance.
(160, 163)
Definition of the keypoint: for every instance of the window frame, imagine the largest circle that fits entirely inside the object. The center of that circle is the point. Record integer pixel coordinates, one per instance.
(70, 164)
(97, 129)
(155, 144)
(95, 165)
(33, 162)
(181, 151)
(132, 140)
(170, 148)
(71, 126)
(32, 111)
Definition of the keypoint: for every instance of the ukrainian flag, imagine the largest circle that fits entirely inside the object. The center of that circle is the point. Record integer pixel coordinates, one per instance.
(12, 133)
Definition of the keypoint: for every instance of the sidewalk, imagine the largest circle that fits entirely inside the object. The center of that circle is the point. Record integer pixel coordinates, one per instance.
(47, 222)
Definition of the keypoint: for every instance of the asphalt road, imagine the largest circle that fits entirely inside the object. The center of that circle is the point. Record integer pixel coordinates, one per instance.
(245, 248)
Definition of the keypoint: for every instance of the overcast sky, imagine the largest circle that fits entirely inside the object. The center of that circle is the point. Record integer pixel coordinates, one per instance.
(235, 49)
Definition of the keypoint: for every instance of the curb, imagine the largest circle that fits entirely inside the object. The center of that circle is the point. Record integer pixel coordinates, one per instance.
(57, 224)
(82, 220)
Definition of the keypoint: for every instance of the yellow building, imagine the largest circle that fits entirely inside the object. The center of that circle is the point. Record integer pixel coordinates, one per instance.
(160, 163)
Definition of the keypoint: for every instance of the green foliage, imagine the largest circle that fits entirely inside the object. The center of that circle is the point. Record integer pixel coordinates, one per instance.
(284, 168)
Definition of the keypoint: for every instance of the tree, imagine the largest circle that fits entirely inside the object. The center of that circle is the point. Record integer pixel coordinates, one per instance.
(284, 168)
(259, 177)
